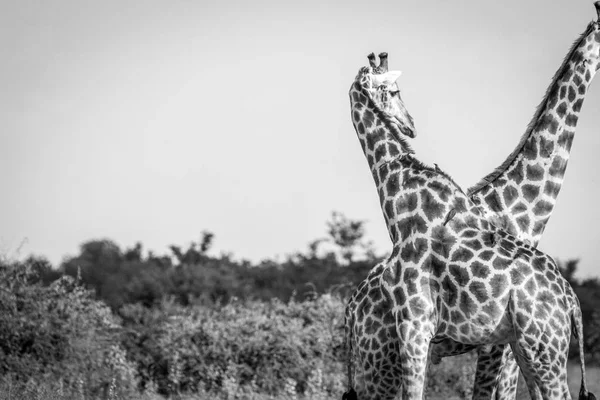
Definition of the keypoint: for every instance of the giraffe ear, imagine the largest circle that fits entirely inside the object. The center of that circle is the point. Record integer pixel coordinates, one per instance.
(386, 79)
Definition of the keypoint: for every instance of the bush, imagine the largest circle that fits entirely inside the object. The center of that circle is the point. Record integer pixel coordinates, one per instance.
(58, 333)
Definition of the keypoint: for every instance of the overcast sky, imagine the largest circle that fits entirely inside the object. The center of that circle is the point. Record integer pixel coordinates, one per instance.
(154, 120)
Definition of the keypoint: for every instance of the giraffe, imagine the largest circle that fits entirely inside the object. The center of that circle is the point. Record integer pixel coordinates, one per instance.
(443, 244)
(519, 196)
(544, 148)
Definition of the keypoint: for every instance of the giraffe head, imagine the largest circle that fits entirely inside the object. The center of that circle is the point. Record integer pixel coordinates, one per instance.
(589, 49)
(380, 86)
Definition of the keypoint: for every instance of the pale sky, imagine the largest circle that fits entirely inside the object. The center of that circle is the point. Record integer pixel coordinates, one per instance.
(154, 120)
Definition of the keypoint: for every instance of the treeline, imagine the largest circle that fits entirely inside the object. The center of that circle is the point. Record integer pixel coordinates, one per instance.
(189, 273)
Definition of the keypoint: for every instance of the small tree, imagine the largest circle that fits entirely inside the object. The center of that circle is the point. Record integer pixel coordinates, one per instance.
(346, 233)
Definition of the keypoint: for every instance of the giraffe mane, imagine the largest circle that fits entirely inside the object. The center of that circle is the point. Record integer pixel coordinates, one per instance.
(372, 104)
(420, 164)
(492, 176)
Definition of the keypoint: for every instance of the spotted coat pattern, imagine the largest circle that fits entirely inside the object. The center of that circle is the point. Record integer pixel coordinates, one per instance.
(460, 278)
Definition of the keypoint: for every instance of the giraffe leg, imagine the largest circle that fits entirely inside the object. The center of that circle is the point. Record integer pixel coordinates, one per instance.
(378, 374)
(497, 374)
(543, 367)
(414, 349)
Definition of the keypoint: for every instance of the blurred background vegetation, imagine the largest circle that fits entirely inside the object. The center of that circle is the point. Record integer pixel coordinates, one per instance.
(113, 323)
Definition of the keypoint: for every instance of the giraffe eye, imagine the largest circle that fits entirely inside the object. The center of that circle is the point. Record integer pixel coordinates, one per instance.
(395, 92)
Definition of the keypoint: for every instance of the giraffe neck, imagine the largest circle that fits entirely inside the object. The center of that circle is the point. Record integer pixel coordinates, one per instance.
(520, 194)
(378, 136)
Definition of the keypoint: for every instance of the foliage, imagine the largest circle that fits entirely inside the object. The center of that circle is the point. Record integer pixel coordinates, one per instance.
(114, 323)
(58, 332)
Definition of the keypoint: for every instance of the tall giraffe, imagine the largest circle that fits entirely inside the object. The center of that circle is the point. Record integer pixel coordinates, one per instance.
(519, 196)
(451, 274)
(544, 149)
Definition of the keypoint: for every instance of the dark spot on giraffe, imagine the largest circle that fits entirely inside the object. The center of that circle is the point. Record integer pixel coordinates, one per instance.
(460, 274)
(553, 97)
(383, 172)
(372, 326)
(388, 209)
(551, 189)
(523, 222)
(541, 281)
(438, 267)
(450, 294)
(546, 147)
(399, 295)
(519, 208)
(577, 105)
(530, 149)
(408, 225)
(582, 89)
(368, 118)
(370, 159)
(563, 92)
(380, 152)
(539, 227)
(418, 306)
(410, 277)
(523, 253)
(413, 252)
(535, 172)
(516, 173)
(577, 80)
(553, 127)
(442, 241)
(557, 169)
(479, 291)
(469, 234)
(539, 263)
(561, 110)
(445, 313)
(486, 255)
(407, 203)
(465, 329)
(530, 192)
(572, 94)
(510, 194)
(393, 149)
(566, 139)
(516, 277)
(442, 190)
(413, 181)
(588, 76)
(571, 120)
(479, 270)
(492, 310)
(360, 127)
(430, 206)
(462, 255)
(493, 201)
(543, 208)
(473, 244)
(451, 331)
(501, 263)
(460, 205)
(550, 274)
(522, 320)
(457, 317)
(499, 283)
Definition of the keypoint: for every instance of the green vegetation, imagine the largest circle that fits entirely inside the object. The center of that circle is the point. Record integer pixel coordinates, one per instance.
(120, 324)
